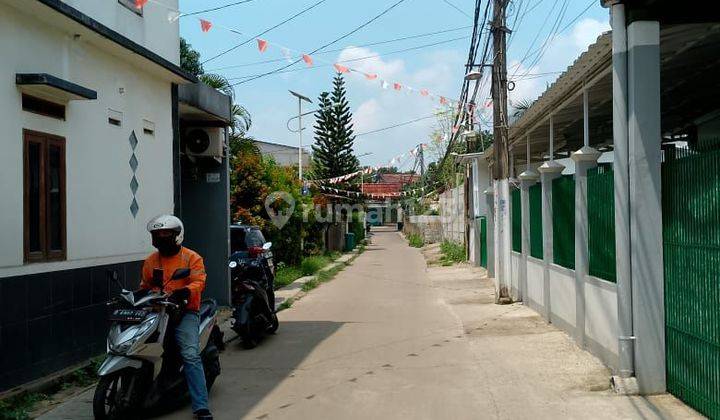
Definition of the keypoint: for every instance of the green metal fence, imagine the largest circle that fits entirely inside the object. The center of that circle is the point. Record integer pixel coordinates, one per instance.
(483, 241)
(601, 222)
(563, 206)
(516, 220)
(536, 231)
(691, 248)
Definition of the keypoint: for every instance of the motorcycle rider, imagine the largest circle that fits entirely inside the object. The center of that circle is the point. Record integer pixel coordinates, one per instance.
(167, 236)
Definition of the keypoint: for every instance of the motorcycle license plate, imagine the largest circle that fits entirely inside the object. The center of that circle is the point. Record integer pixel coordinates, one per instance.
(128, 315)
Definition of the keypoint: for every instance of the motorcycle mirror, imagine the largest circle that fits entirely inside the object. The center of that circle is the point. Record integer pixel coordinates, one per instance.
(266, 246)
(158, 278)
(113, 275)
(181, 273)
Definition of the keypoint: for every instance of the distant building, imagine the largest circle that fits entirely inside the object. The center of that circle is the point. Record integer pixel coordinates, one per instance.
(283, 154)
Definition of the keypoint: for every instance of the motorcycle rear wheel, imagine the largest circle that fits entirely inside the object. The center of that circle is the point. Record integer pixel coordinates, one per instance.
(110, 392)
(274, 324)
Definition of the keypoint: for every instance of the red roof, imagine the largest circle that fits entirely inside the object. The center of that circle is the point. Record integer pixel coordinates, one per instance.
(382, 188)
(402, 179)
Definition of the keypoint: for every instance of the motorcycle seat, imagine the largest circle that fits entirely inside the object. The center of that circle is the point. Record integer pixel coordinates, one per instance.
(208, 307)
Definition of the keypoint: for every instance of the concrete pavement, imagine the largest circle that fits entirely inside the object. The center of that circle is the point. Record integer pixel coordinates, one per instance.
(390, 338)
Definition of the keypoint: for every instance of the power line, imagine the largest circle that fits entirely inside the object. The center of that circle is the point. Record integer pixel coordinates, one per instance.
(395, 125)
(275, 60)
(359, 58)
(213, 9)
(336, 40)
(305, 10)
(457, 8)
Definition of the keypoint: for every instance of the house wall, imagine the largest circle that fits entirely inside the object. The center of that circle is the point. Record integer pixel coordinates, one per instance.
(562, 297)
(429, 227)
(452, 213)
(515, 260)
(282, 154)
(535, 282)
(54, 314)
(153, 29)
(98, 174)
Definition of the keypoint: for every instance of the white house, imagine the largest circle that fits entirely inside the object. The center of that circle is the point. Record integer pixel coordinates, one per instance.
(90, 114)
(283, 154)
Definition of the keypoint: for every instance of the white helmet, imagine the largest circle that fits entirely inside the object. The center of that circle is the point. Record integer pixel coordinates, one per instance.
(167, 221)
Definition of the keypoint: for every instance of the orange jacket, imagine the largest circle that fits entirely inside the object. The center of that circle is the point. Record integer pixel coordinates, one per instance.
(186, 258)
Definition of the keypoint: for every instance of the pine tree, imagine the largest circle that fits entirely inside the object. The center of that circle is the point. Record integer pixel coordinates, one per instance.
(333, 149)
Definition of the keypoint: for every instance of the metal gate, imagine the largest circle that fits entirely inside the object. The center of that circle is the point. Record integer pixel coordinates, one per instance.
(691, 243)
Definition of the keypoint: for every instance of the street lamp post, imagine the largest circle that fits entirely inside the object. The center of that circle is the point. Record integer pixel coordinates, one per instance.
(301, 98)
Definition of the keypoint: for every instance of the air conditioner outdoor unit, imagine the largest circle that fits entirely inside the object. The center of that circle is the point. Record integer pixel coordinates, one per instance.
(204, 141)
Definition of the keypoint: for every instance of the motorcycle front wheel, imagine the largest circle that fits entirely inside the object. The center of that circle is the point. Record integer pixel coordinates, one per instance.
(114, 396)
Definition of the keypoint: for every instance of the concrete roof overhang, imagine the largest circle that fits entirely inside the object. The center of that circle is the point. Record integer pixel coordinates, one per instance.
(201, 103)
(689, 55)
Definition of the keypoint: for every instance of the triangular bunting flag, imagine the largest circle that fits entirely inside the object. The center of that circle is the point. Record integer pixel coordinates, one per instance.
(286, 53)
(424, 92)
(205, 25)
(140, 3)
(340, 68)
(370, 76)
(262, 45)
(397, 86)
(443, 101)
(308, 60)
(384, 84)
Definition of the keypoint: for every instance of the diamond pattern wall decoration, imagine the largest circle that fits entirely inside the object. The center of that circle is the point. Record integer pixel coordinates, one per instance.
(134, 185)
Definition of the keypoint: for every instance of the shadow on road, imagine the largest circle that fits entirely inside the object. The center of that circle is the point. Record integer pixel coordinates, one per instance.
(248, 376)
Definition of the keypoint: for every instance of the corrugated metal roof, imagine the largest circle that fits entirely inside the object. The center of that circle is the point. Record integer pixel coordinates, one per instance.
(595, 59)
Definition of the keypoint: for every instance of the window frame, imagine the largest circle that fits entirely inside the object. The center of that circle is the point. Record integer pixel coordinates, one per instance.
(46, 141)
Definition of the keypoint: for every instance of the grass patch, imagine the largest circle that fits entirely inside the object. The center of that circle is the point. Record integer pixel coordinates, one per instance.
(312, 265)
(310, 284)
(415, 240)
(20, 406)
(286, 275)
(286, 304)
(334, 255)
(452, 252)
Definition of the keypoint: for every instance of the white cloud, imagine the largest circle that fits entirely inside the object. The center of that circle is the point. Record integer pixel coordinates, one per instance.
(375, 108)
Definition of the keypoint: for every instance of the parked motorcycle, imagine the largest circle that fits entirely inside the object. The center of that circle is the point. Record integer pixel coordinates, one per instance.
(253, 298)
(143, 369)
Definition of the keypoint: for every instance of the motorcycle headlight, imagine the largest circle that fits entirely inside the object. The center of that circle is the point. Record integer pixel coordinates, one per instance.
(232, 264)
(122, 341)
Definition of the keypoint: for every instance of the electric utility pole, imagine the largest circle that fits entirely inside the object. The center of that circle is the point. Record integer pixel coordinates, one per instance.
(500, 151)
(421, 158)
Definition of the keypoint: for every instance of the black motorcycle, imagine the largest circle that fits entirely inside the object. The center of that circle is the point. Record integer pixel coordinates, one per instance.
(253, 298)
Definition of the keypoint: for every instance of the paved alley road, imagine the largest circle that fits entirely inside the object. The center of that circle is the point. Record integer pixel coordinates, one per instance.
(375, 342)
(390, 338)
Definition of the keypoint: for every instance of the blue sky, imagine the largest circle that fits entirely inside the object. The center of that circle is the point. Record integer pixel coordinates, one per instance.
(437, 68)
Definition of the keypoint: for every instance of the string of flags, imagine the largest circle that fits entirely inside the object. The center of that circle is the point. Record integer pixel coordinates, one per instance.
(263, 45)
(408, 193)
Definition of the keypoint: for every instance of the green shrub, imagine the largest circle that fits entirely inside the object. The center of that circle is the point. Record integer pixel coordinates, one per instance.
(333, 255)
(452, 252)
(312, 265)
(415, 240)
(286, 275)
(357, 227)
